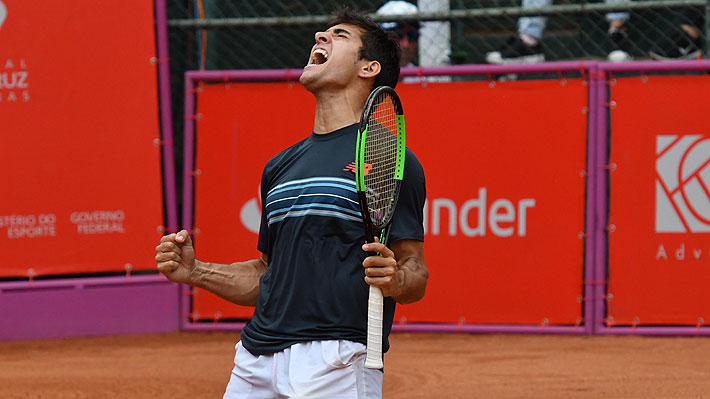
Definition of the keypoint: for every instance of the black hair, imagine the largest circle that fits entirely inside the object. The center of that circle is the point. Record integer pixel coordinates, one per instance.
(377, 45)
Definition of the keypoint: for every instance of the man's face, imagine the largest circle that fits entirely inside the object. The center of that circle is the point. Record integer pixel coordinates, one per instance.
(334, 58)
(408, 42)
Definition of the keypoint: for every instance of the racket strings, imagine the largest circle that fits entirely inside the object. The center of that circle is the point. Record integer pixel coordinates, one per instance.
(381, 153)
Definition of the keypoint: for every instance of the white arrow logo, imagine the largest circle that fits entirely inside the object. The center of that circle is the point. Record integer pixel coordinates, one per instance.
(250, 214)
(3, 13)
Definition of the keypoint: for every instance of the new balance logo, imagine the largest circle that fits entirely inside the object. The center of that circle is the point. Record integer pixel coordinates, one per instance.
(682, 184)
(351, 168)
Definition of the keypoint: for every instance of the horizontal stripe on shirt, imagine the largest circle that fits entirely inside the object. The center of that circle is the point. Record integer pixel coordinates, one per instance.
(318, 196)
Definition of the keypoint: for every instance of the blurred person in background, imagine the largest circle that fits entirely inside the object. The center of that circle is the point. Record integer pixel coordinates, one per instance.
(525, 47)
(685, 44)
(407, 32)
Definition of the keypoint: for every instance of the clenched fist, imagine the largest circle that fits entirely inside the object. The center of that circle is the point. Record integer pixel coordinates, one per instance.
(176, 257)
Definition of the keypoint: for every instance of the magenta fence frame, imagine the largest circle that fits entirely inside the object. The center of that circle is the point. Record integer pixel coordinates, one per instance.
(138, 304)
(596, 214)
(292, 75)
(606, 71)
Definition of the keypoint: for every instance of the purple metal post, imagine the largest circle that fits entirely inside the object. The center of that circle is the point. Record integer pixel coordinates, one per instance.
(241, 75)
(590, 254)
(187, 189)
(458, 70)
(687, 331)
(216, 326)
(598, 205)
(184, 304)
(189, 154)
(493, 70)
(166, 116)
(485, 328)
(701, 65)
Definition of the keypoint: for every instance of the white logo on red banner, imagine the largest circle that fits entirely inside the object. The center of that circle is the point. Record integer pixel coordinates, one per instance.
(682, 184)
(29, 226)
(3, 13)
(250, 213)
(14, 75)
(99, 222)
(475, 218)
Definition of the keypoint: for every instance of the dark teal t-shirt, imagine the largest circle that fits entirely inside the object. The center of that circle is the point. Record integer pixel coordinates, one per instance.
(311, 229)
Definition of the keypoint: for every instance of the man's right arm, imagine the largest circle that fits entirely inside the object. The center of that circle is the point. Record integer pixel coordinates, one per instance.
(237, 282)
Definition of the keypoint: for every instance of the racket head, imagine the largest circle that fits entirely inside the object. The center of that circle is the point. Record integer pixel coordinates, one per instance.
(379, 158)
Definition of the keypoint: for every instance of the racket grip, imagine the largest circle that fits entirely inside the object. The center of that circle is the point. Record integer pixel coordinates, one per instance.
(374, 329)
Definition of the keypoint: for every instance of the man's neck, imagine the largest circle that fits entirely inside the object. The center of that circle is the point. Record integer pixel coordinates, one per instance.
(337, 109)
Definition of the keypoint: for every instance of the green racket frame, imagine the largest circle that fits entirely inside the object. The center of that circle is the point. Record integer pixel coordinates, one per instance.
(383, 227)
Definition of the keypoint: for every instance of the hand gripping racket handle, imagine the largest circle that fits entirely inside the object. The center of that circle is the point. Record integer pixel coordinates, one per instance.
(374, 329)
(375, 315)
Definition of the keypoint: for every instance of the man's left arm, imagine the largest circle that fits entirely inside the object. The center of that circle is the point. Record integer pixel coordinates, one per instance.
(399, 272)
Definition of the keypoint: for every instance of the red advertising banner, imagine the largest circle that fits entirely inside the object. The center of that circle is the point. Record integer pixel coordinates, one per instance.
(505, 187)
(78, 104)
(659, 211)
(241, 127)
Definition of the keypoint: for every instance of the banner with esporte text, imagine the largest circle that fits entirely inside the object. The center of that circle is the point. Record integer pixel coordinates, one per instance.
(504, 166)
(81, 165)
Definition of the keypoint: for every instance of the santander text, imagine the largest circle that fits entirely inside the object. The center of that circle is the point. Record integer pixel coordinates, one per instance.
(474, 218)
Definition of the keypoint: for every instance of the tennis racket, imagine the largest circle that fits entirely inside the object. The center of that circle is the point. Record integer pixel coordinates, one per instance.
(379, 168)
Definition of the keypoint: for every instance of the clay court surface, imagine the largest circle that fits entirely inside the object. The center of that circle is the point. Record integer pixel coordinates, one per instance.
(197, 365)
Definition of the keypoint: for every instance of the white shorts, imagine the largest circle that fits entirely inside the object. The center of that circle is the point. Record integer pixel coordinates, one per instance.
(313, 370)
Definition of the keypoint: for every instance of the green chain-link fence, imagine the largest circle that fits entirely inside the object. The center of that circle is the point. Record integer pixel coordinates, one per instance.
(278, 34)
(262, 34)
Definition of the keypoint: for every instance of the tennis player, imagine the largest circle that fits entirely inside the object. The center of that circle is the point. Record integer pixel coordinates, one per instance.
(307, 336)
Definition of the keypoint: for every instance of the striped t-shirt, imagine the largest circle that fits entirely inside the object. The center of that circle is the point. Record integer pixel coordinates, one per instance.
(311, 228)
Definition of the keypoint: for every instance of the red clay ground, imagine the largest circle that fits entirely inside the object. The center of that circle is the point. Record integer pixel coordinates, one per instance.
(197, 365)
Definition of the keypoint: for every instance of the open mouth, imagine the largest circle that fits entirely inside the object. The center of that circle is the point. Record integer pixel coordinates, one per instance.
(318, 57)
